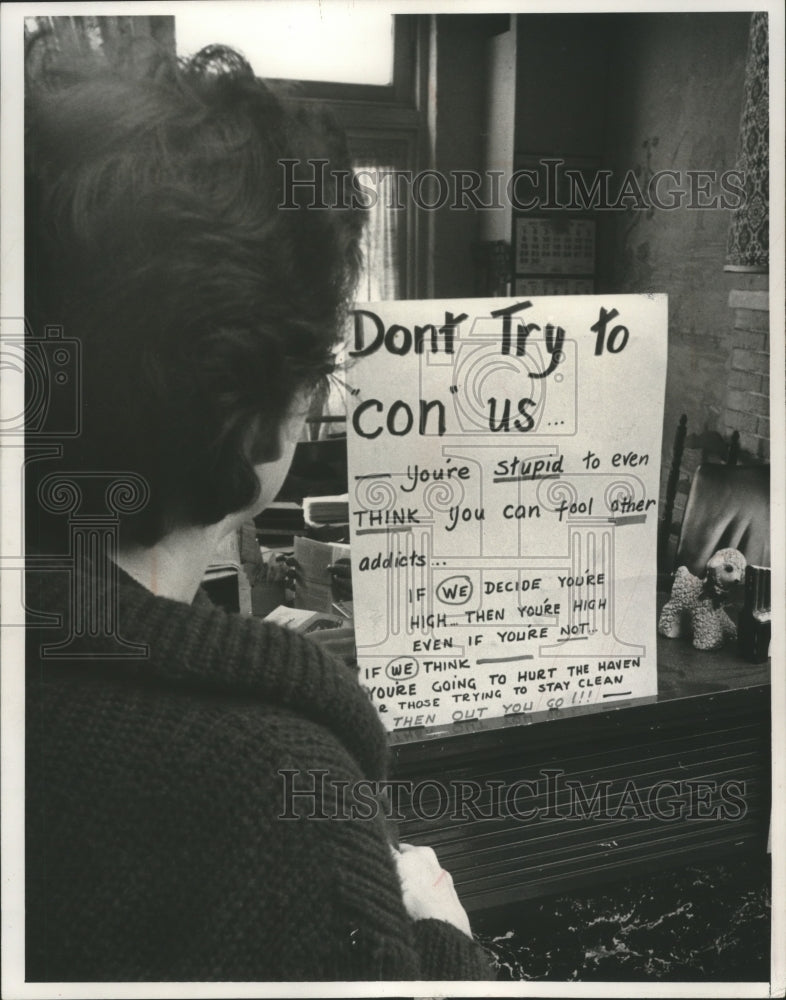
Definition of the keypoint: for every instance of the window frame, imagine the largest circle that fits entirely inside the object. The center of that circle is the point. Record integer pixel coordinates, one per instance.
(393, 114)
(400, 92)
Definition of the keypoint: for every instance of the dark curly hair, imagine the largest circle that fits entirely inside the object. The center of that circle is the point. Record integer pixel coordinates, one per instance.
(154, 236)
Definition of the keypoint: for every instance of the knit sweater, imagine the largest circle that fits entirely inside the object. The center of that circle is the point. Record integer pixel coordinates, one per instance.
(154, 846)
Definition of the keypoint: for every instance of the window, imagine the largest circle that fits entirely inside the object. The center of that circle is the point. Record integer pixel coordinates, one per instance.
(382, 247)
(337, 43)
(378, 103)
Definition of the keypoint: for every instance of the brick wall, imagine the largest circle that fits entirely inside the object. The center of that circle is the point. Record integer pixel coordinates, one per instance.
(747, 404)
(745, 400)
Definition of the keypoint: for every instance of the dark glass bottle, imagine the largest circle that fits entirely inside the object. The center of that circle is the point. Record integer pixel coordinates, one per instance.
(755, 625)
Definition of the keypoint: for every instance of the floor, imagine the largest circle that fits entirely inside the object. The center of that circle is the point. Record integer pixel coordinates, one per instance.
(697, 924)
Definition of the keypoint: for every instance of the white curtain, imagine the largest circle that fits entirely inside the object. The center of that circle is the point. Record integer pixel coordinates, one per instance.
(380, 277)
(379, 280)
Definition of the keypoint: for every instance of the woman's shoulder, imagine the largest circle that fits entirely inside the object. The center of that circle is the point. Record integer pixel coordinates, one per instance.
(201, 668)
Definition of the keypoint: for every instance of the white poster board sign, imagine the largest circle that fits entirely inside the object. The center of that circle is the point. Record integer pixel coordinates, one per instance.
(504, 461)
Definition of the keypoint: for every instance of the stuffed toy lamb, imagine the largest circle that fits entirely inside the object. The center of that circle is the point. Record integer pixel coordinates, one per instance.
(696, 607)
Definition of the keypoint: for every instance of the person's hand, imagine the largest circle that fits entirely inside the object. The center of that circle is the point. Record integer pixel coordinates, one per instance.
(281, 569)
(427, 888)
(341, 580)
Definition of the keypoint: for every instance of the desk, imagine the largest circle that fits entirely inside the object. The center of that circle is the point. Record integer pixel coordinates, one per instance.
(709, 722)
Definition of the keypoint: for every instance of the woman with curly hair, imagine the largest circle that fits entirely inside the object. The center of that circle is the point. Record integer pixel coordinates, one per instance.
(159, 844)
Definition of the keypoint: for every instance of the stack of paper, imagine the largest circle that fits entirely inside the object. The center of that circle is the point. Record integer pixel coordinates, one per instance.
(326, 510)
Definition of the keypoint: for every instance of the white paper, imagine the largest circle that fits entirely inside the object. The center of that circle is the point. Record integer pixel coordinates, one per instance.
(503, 493)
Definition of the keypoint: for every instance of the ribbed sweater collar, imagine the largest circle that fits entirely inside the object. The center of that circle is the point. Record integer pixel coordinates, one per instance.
(199, 647)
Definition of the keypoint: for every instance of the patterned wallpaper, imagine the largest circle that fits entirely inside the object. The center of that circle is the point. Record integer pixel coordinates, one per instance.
(749, 245)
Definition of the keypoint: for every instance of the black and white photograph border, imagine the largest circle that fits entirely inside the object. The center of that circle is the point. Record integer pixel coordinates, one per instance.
(698, 930)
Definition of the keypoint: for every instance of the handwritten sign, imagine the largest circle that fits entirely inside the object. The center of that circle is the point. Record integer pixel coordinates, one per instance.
(504, 460)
